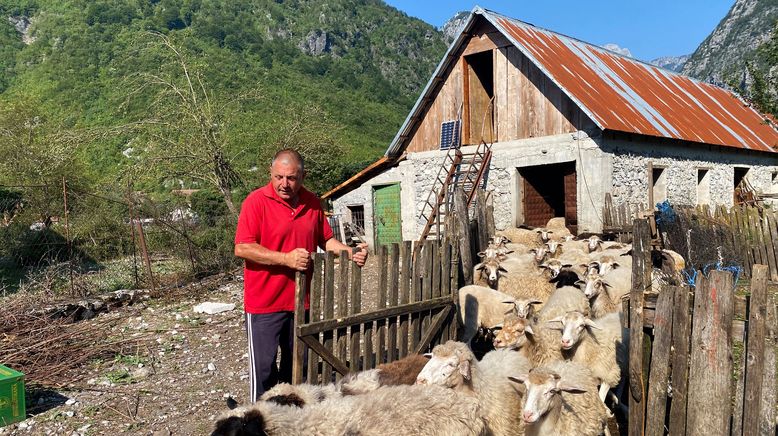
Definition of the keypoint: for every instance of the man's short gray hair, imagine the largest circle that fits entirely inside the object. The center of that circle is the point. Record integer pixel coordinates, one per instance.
(289, 153)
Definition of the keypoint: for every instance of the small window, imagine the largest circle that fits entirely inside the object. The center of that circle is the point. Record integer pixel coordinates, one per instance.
(775, 178)
(357, 215)
(703, 186)
(740, 175)
(659, 184)
(740, 185)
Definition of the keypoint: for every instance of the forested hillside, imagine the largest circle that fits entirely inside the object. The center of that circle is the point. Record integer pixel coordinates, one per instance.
(335, 78)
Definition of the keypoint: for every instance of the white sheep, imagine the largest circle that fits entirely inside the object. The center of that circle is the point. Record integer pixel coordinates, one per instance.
(416, 409)
(453, 365)
(480, 306)
(603, 297)
(535, 341)
(561, 399)
(600, 345)
(561, 301)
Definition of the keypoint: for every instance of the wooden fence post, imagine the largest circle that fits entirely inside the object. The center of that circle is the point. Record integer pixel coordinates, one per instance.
(710, 369)
(298, 348)
(754, 366)
(656, 405)
(463, 231)
(641, 281)
(767, 415)
(680, 375)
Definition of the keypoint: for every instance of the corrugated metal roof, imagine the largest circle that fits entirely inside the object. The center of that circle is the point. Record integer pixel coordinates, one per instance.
(627, 95)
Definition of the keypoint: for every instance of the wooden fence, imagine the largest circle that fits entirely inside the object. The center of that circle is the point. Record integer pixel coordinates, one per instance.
(714, 350)
(618, 220)
(414, 311)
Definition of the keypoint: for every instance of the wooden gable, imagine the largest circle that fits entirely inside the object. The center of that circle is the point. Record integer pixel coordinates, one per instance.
(525, 102)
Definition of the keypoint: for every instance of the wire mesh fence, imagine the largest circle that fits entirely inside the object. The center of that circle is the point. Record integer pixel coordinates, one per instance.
(63, 238)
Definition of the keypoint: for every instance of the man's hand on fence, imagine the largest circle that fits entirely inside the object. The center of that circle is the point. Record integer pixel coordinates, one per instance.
(298, 259)
(359, 254)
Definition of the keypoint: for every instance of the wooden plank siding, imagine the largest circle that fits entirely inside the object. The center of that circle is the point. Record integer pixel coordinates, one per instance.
(526, 102)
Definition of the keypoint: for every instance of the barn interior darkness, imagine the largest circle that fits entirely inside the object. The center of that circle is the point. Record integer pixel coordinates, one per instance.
(546, 195)
(479, 95)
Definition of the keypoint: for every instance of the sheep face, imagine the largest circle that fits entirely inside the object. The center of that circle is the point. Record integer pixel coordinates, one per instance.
(595, 243)
(543, 393)
(491, 269)
(540, 254)
(552, 266)
(595, 286)
(572, 325)
(553, 246)
(449, 371)
(511, 333)
(524, 307)
(544, 235)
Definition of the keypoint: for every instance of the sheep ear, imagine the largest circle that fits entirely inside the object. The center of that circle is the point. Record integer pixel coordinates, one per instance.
(554, 325)
(543, 265)
(567, 265)
(528, 329)
(427, 355)
(231, 403)
(518, 379)
(571, 388)
(615, 265)
(549, 231)
(508, 252)
(481, 253)
(464, 369)
(479, 266)
(580, 283)
(532, 250)
(592, 324)
(497, 327)
(501, 269)
(606, 284)
(628, 253)
(531, 302)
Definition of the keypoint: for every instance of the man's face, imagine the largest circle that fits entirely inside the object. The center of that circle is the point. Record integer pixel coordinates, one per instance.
(286, 178)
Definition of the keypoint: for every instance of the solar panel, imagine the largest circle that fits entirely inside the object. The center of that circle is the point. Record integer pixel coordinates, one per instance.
(449, 134)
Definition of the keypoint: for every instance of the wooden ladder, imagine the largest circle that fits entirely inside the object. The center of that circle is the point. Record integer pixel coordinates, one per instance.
(457, 170)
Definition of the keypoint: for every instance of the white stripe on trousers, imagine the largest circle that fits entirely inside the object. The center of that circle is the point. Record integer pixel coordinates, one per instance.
(252, 368)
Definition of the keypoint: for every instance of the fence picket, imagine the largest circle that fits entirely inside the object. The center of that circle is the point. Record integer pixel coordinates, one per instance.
(356, 307)
(679, 377)
(328, 310)
(405, 294)
(394, 278)
(767, 414)
(755, 352)
(383, 278)
(772, 247)
(315, 313)
(426, 288)
(656, 404)
(342, 304)
(710, 372)
(641, 281)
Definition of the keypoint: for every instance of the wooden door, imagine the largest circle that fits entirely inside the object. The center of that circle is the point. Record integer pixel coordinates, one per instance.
(386, 214)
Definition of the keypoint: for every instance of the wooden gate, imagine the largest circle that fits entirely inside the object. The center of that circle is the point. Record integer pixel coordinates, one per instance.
(414, 311)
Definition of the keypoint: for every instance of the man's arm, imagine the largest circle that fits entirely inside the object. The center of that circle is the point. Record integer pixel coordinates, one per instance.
(296, 259)
(336, 246)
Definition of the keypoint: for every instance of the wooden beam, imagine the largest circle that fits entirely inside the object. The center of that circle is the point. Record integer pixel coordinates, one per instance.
(641, 282)
(298, 350)
(361, 318)
(434, 327)
(755, 352)
(656, 405)
(325, 353)
(680, 374)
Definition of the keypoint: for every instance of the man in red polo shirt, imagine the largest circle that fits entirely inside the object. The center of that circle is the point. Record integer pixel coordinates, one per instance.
(280, 225)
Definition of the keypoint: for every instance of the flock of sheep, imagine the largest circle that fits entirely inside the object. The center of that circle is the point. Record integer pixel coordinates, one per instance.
(553, 306)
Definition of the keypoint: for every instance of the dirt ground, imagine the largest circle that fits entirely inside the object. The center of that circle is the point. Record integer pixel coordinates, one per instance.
(177, 386)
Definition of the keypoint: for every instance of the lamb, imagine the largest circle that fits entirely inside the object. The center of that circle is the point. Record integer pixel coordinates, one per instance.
(399, 372)
(599, 345)
(480, 306)
(561, 399)
(453, 365)
(415, 409)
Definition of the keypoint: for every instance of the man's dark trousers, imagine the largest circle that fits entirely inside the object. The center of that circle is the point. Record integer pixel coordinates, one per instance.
(266, 332)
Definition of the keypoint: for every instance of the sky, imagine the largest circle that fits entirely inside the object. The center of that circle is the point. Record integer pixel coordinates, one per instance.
(648, 28)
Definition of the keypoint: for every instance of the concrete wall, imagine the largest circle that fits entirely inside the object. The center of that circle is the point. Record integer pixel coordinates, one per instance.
(681, 162)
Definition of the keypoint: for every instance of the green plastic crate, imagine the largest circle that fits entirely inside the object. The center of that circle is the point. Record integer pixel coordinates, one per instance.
(11, 396)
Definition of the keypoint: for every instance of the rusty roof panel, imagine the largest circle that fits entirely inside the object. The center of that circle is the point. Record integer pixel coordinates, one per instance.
(623, 94)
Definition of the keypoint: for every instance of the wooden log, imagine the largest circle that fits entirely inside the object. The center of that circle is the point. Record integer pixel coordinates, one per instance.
(342, 303)
(355, 361)
(754, 368)
(405, 294)
(463, 232)
(680, 360)
(298, 349)
(383, 280)
(710, 369)
(394, 294)
(328, 311)
(315, 315)
(326, 355)
(771, 235)
(767, 418)
(656, 404)
(641, 282)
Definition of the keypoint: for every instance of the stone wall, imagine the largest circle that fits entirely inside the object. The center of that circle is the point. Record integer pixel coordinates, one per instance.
(682, 161)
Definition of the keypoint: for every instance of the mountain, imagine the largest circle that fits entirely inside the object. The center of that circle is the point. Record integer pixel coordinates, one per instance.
(672, 63)
(453, 27)
(361, 62)
(736, 54)
(617, 49)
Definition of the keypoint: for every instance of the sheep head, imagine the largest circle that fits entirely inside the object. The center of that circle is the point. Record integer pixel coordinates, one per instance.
(243, 421)
(449, 366)
(491, 270)
(511, 333)
(572, 325)
(554, 247)
(595, 243)
(593, 286)
(544, 388)
(607, 264)
(544, 234)
(553, 266)
(540, 254)
(523, 307)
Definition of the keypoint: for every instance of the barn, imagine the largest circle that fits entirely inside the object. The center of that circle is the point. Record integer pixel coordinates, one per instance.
(550, 125)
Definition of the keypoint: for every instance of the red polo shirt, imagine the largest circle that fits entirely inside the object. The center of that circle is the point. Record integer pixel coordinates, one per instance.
(268, 220)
